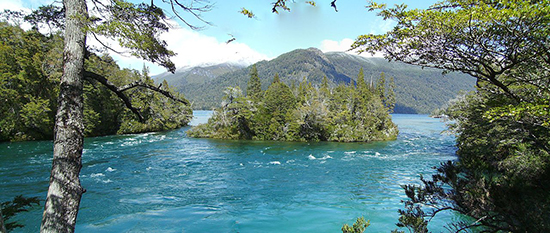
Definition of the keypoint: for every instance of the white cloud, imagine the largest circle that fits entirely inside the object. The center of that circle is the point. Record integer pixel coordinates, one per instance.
(13, 5)
(193, 49)
(336, 46)
(343, 46)
(16, 5)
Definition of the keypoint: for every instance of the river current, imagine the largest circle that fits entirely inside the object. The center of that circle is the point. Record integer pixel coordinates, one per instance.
(166, 182)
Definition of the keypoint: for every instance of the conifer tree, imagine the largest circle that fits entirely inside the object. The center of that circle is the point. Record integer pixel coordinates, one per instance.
(361, 84)
(381, 87)
(276, 79)
(390, 96)
(254, 87)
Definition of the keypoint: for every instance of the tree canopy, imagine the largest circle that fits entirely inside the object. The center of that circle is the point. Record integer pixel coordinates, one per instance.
(136, 27)
(302, 113)
(500, 180)
(30, 85)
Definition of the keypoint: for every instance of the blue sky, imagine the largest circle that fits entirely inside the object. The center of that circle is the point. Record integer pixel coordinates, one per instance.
(266, 36)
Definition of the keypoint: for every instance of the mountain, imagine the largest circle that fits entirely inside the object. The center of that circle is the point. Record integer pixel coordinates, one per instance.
(191, 76)
(417, 90)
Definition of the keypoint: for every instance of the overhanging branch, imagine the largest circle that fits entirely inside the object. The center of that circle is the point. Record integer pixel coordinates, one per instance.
(119, 91)
(114, 88)
(140, 83)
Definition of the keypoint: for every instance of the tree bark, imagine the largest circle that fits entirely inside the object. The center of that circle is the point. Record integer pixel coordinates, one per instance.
(64, 193)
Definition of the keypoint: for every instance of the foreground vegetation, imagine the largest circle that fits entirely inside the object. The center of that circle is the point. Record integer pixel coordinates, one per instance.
(501, 179)
(29, 85)
(304, 113)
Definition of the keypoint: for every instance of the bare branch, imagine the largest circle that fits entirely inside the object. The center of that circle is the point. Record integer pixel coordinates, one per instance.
(106, 46)
(192, 10)
(119, 91)
(140, 83)
(114, 88)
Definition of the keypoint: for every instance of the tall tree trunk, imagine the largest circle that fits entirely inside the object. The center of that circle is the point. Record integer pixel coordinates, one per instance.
(64, 193)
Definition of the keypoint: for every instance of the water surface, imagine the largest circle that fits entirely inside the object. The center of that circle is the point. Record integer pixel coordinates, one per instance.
(166, 182)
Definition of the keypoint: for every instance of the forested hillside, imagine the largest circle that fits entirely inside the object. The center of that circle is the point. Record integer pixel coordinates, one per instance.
(185, 78)
(417, 90)
(30, 69)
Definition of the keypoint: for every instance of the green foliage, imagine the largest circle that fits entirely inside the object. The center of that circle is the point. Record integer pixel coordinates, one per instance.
(344, 114)
(501, 177)
(358, 227)
(30, 71)
(17, 205)
(499, 183)
(254, 88)
(390, 99)
(247, 13)
(27, 94)
(160, 113)
(381, 86)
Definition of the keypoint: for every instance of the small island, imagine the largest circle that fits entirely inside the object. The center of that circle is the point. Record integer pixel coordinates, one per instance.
(344, 113)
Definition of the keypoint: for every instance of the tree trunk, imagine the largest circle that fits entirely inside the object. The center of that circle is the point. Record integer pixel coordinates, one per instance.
(64, 192)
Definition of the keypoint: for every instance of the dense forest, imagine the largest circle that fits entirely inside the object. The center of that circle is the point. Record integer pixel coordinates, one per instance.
(29, 85)
(500, 181)
(417, 90)
(345, 113)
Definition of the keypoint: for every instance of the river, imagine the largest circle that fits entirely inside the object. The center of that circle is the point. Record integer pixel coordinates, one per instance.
(166, 182)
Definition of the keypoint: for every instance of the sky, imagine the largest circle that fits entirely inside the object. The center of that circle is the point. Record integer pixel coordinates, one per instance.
(264, 37)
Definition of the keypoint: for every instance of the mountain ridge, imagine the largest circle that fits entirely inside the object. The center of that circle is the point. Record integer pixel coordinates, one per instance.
(418, 90)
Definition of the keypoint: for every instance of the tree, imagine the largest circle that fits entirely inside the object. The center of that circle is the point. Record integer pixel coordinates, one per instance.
(358, 227)
(137, 28)
(254, 88)
(381, 87)
(489, 40)
(276, 79)
(361, 84)
(389, 102)
(307, 114)
(502, 128)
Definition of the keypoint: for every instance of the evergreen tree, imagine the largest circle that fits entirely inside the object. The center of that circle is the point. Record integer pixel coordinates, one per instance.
(325, 88)
(390, 96)
(361, 84)
(381, 87)
(315, 114)
(279, 98)
(276, 79)
(324, 83)
(254, 87)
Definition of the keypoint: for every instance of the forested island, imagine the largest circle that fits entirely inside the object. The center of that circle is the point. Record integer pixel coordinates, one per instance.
(346, 113)
(31, 69)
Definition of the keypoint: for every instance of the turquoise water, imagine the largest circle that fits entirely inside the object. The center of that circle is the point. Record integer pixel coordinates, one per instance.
(166, 182)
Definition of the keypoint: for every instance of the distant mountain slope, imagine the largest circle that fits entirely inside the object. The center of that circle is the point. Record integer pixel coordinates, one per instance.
(192, 76)
(418, 90)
